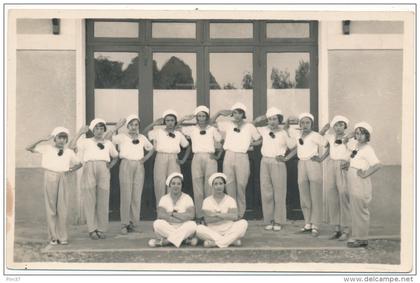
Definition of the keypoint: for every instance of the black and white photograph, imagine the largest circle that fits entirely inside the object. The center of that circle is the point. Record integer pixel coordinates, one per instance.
(210, 138)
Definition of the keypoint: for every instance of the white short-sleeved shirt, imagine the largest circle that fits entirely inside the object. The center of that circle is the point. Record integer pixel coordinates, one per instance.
(337, 151)
(203, 143)
(131, 151)
(310, 147)
(238, 142)
(166, 144)
(210, 204)
(364, 158)
(51, 160)
(91, 152)
(272, 147)
(182, 204)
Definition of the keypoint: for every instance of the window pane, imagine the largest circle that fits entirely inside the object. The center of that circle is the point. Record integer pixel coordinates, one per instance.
(116, 85)
(173, 30)
(231, 81)
(288, 82)
(115, 104)
(116, 70)
(116, 29)
(288, 30)
(174, 77)
(231, 30)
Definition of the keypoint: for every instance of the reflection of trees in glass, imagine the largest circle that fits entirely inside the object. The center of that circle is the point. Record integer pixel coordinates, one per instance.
(213, 83)
(301, 76)
(110, 74)
(175, 74)
(229, 86)
(247, 82)
(280, 79)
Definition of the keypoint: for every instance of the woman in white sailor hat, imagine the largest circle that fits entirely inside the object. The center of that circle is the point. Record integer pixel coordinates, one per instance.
(131, 148)
(57, 161)
(222, 228)
(363, 163)
(205, 141)
(99, 156)
(239, 136)
(167, 142)
(336, 188)
(175, 216)
(273, 173)
(309, 146)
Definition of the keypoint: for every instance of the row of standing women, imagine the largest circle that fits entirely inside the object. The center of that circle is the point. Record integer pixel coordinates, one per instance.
(348, 186)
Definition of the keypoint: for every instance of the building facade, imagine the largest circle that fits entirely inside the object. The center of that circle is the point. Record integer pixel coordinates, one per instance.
(112, 64)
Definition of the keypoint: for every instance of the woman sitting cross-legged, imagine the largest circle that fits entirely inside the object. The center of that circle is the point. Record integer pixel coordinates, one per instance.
(175, 214)
(220, 214)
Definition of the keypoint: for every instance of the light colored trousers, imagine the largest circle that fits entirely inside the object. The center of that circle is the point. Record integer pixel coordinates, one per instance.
(223, 238)
(310, 191)
(56, 197)
(236, 169)
(337, 194)
(360, 196)
(131, 188)
(175, 233)
(202, 167)
(165, 164)
(273, 180)
(95, 186)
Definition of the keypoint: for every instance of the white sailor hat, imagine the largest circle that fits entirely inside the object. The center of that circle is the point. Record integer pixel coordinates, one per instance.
(339, 118)
(95, 122)
(170, 112)
(216, 175)
(273, 111)
(173, 175)
(238, 105)
(364, 125)
(202, 108)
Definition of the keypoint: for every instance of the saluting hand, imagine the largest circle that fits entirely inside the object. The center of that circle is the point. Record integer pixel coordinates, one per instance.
(121, 123)
(188, 117)
(325, 128)
(226, 112)
(84, 130)
(158, 121)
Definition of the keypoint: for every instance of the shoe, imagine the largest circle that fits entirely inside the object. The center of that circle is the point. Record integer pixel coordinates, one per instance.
(269, 227)
(276, 227)
(305, 230)
(130, 228)
(335, 236)
(237, 243)
(124, 230)
(192, 241)
(93, 235)
(53, 242)
(209, 244)
(153, 243)
(315, 232)
(344, 236)
(100, 234)
(357, 244)
(157, 243)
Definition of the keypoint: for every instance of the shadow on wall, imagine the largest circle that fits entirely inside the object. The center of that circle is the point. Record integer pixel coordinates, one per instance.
(385, 206)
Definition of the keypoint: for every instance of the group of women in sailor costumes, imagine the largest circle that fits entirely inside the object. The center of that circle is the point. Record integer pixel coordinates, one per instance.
(216, 214)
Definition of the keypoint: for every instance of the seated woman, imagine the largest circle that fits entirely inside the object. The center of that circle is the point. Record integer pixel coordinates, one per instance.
(175, 214)
(220, 214)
